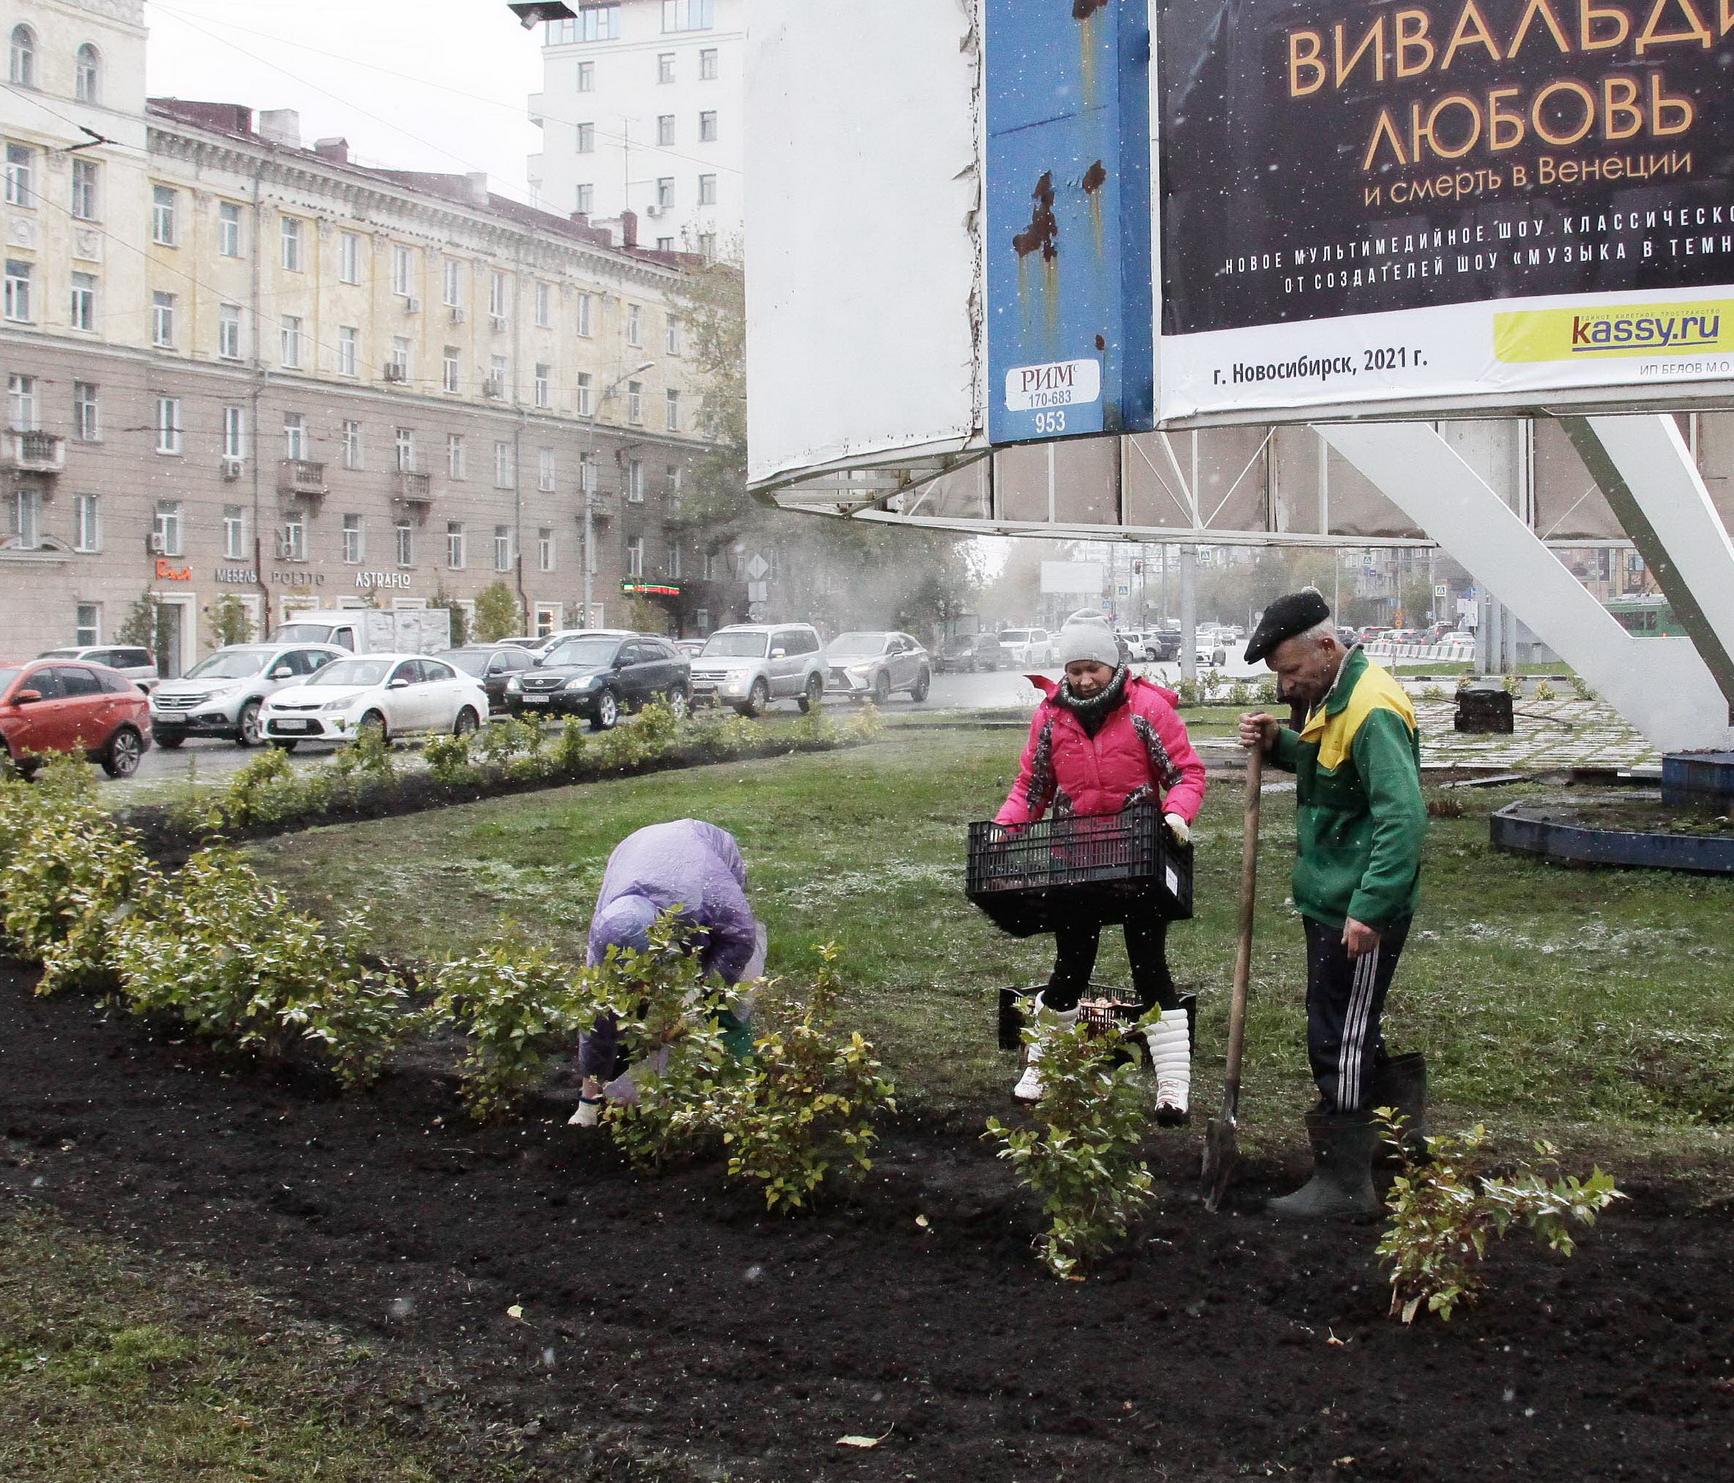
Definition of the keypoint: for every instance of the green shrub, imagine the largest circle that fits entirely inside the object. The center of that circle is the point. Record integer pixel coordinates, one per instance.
(448, 760)
(1544, 691)
(1239, 694)
(518, 1009)
(1433, 692)
(366, 761)
(803, 1108)
(1513, 684)
(1186, 687)
(815, 729)
(660, 729)
(1081, 1155)
(222, 952)
(265, 790)
(866, 724)
(1582, 688)
(716, 734)
(1266, 693)
(500, 741)
(1443, 1216)
(619, 749)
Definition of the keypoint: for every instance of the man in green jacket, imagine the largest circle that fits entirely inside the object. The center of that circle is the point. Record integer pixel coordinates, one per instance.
(1360, 821)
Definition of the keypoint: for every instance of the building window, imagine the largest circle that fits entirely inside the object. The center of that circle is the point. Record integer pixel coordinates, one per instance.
(21, 403)
(86, 523)
(20, 175)
(707, 126)
(403, 450)
(228, 229)
(503, 469)
(671, 335)
(545, 471)
(592, 23)
(294, 436)
(665, 191)
(665, 128)
(502, 548)
(707, 64)
(455, 545)
(586, 77)
(665, 244)
(455, 455)
(584, 315)
(688, 15)
(163, 320)
(163, 216)
(672, 398)
(586, 201)
(674, 561)
(87, 627)
(542, 384)
(586, 473)
(707, 246)
(85, 175)
(292, 341)
(545, 549)
(22, 62)
(405, 543)
(712, 566)
(18, 291)
(583, 393)
(586, 138)
(635, 556)
(349, 257)
(449, 369)
(544, 306)
(82, 312)
(86, 420)
(166, 526)
(635, 401)
(87, 76)
(234, 432)
(293, 542)
(354, 540)
(401, 271)
(348, 350)
(292, 243)
(452, 284)
(235, 532)
(398, 362)
(25, 509)
(499, 374)
(168, 424)
(498, 295)
(229, 331)
(634, 325)
(635, 481)
(353, 450)
(665, 67)
(707, 190)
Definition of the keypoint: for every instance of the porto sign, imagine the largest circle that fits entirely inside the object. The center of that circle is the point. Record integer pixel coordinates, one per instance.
(1443, 204)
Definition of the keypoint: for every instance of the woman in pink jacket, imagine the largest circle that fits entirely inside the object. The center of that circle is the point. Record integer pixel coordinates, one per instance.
(1105, 739)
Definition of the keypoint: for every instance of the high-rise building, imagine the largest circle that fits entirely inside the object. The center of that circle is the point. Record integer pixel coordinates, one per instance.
(640, 111)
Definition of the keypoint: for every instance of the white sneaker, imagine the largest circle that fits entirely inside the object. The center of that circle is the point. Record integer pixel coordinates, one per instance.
(1171, 1058)
(1044, 1022)
(588, 1115)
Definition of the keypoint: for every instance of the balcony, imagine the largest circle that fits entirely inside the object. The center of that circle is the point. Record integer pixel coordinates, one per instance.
(413, 488)
(601, 506)
(301, 476)
(35, 453)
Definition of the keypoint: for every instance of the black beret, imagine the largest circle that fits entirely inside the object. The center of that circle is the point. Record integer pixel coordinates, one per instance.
(1294, 612)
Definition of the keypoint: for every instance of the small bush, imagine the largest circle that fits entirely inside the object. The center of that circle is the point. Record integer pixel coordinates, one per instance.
(1266, 694)
(1081, 1156)
(265, 790)
(569, 754)
(815, 729)
(1186, 688)
(1240, 694)
(518, 1009)
(660, 729)
(1513, 684)
(501, 741)
(448, 760)
(1444, 806)
(365, 761)
(1433, 692)
(1582, 689)
(1544, 691)
(1443, 1216)
(717, 735)
(803, 1109)
(866, 724)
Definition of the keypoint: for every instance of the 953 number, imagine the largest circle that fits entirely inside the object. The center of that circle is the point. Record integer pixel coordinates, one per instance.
(1050, 422)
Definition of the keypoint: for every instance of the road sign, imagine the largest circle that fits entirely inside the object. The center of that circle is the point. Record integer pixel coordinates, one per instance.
(1441, 590)
(757, 568)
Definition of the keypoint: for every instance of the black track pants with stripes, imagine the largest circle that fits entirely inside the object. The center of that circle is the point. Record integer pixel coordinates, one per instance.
(1345, 1003)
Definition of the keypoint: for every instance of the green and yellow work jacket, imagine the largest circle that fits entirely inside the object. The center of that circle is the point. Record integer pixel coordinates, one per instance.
(1360, 816)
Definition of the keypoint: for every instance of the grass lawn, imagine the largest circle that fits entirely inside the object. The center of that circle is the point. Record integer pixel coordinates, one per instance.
(1547, 1000)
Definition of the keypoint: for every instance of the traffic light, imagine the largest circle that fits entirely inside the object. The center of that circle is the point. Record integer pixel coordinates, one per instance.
(1137, 567)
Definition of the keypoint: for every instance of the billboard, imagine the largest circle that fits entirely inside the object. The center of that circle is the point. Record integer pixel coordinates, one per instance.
(1406, 208)
(1073, 578)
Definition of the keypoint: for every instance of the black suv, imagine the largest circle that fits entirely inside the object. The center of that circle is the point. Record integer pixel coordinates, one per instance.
(598, 676)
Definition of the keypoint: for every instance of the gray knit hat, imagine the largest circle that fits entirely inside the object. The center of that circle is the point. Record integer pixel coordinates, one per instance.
(1093, 641)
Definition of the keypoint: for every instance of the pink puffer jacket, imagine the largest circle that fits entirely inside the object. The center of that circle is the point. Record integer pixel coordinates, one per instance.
(1142, 751)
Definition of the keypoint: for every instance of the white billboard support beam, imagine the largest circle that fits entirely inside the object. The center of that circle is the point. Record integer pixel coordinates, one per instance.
(1651, 481)
(1661, 686)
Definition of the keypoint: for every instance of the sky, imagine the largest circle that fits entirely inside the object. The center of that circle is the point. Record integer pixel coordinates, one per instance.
(412, 84)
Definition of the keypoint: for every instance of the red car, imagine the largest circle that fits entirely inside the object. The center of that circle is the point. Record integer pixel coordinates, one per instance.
(61, 705)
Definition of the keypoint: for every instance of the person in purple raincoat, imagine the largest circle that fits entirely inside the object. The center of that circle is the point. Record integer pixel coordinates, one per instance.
(686, 863)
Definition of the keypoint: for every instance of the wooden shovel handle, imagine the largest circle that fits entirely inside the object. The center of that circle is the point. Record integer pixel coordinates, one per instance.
(1248, 899)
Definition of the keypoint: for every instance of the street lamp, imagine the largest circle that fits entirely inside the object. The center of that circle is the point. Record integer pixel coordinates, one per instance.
(588, 474)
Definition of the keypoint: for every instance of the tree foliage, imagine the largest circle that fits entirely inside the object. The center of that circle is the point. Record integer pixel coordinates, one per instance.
(498, 615)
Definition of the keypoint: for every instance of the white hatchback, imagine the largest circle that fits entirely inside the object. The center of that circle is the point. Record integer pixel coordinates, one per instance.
(399, 694)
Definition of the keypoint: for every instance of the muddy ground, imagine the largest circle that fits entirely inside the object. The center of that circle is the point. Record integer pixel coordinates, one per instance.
(670, 1314)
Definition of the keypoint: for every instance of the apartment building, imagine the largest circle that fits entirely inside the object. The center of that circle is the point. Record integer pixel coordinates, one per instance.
(237, 364)
(641, 111)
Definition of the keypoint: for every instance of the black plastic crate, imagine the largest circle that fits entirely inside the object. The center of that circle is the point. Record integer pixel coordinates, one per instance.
(1074, 871)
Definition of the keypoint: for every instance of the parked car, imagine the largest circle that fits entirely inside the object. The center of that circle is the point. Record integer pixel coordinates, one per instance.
(224, 695)
(972, 652)
(750, 665)
(138, 665)
(395, 694)
(689, 647)
(370, 630)
(599, 675)
(492, 666)
(1209, 649)
(1162, 644)
(876, 665)
(528, 641)
(62, 705)
(1028, 645)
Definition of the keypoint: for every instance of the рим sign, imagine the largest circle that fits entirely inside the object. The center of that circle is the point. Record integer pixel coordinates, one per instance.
(1066, 383)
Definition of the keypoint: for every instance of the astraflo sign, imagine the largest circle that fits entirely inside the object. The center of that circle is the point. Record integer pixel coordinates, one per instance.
(1475, 203)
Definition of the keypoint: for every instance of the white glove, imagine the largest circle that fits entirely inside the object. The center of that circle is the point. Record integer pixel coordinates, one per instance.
(1178, 827)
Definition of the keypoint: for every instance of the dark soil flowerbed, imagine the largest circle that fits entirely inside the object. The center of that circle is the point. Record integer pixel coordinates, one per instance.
(670, 1314)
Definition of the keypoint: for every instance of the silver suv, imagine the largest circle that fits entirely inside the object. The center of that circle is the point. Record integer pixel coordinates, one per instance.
(221, 695)
(749, 665)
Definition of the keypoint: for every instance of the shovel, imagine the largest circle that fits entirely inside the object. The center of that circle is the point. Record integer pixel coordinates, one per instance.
(1219, 1146)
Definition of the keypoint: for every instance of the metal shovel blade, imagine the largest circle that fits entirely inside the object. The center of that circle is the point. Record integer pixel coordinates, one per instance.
(1220, 1153)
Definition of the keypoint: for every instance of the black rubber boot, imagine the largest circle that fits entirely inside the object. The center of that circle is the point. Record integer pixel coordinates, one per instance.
(1401, 1082)
(1342, 1184)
